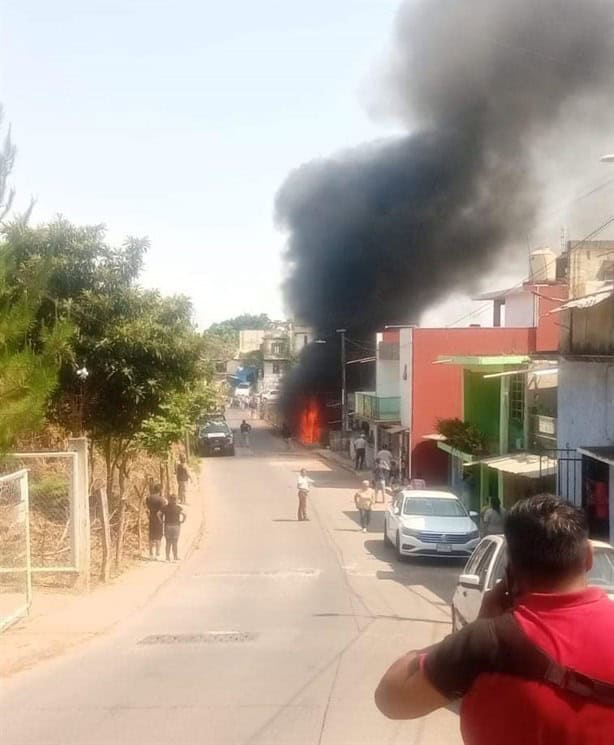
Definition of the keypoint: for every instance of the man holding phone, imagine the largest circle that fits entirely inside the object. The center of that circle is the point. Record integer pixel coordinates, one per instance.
(537, 667)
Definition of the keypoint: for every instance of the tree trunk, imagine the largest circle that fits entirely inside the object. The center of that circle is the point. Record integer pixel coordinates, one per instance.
(103, 503)
(108, 459)
(121, 526)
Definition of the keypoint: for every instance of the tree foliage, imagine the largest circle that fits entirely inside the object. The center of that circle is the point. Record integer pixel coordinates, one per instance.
(462, 436)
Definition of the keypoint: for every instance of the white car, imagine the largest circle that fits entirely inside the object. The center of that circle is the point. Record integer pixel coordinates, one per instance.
(486, 567)
(243, 390)
(271, 396)
(430, 523)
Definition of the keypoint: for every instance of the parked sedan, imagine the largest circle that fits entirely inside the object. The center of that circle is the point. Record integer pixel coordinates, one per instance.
(215, 438)
(430, 523)
(487, 565)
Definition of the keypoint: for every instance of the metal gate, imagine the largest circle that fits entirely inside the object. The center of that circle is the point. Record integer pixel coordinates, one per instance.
(568, 473)
(15, 566)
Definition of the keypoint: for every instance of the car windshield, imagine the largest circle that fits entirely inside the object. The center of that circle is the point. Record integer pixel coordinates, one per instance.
(211, 427)
(602, 573)
(243, 386)
(433, 507)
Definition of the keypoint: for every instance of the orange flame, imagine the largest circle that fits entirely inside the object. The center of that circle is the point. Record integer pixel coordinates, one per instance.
(309, 425)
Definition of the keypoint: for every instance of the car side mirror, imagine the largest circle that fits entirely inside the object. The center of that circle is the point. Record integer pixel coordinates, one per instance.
(472, 581)
(473, 513)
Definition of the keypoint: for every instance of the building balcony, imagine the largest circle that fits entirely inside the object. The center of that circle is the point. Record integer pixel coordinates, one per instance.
(377, 408)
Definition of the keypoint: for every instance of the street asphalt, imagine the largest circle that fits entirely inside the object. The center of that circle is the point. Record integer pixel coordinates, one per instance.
(273, 631)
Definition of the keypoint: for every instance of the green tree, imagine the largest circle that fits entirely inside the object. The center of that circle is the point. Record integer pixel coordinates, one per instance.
(29, 362)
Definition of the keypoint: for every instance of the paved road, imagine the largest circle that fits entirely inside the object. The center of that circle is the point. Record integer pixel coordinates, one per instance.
(274, 631)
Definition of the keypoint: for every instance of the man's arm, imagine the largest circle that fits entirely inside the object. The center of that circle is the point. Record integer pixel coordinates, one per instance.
(405, 692)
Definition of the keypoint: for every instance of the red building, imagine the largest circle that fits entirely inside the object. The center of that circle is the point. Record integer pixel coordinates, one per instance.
(435, 389)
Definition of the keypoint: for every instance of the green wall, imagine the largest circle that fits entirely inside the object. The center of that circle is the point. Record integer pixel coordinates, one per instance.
(482, 401)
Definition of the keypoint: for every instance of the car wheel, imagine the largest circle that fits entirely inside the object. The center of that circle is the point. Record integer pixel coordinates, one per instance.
(387, 540)
(400, 556)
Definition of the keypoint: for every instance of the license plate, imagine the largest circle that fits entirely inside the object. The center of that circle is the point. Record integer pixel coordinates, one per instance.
(444, 548)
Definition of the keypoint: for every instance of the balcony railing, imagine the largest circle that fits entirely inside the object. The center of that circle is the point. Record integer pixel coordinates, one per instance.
(378, 409)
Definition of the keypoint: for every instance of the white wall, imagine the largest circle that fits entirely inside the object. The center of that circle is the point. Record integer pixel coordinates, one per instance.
(586, 408)
(250, 340)
(405, 368)
(520, 310)
(387, 378)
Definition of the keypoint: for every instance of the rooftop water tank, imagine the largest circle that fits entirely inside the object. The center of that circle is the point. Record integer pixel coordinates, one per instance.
(543, 265)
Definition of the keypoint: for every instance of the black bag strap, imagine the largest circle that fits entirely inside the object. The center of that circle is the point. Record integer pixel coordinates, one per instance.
(521, 657)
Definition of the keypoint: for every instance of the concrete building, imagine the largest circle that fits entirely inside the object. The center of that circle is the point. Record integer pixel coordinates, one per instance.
(586, 407)
(276, 356)
(250, 340)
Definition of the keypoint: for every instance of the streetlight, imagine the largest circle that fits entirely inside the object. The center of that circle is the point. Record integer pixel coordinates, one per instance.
(607, 158)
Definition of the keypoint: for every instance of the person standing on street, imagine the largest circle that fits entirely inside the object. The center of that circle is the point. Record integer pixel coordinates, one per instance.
(379, 479)
(303, 485)
(245, 430)
(360, 449)
(253, 407)
(385, 458)
(493, 518)
(364, 499)
(173, 517)
(537, 666)
(154, 503)
(182, 475)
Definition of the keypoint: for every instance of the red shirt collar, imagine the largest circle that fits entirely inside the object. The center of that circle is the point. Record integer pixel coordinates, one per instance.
(553, 601)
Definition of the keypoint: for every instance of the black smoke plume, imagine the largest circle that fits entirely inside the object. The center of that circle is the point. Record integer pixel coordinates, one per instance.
(378, 233)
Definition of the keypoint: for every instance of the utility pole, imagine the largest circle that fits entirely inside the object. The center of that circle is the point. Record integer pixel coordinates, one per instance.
(344, 408)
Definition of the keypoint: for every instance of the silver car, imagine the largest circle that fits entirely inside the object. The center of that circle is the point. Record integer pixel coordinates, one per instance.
(430, 523)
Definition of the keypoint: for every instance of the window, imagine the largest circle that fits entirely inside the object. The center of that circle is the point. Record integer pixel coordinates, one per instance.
(277, 348)
(472, 564)
(484, 562)
(276, 368)
(434, 507)
(517, 399)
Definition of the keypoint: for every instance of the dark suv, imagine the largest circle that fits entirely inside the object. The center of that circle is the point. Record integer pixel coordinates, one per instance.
(215, 438)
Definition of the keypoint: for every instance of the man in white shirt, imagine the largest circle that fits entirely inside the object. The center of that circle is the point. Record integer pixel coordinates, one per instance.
(385, 460)
(303, 484)
(360, 448)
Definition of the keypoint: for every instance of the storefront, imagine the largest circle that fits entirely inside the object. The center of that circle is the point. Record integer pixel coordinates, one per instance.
(598, 490)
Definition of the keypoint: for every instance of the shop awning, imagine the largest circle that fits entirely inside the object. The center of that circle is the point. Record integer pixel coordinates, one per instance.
(435, 437)
(529, 465)
(605, 454)
(395, 429)
(466, 458)
(586, 301)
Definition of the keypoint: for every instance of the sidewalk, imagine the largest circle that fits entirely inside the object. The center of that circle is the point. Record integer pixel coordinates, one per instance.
(343, 461)
(60, 621)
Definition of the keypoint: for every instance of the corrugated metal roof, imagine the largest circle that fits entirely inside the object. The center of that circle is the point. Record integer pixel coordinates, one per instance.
(523, 464)
(586, 301)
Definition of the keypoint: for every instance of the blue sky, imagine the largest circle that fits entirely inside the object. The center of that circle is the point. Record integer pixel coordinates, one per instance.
(179, 120)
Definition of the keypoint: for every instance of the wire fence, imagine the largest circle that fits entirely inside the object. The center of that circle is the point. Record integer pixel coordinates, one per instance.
(15, 565)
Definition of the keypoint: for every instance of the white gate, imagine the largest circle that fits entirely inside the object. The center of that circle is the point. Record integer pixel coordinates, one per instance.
(15, 566)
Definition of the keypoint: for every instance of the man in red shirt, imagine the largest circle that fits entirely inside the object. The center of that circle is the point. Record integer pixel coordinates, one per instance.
(537, 667)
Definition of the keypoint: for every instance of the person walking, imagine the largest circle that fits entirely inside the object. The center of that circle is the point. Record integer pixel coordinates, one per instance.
(537, 666)
(182, 474)
(303, 485)
(385, 459)
(173, 518)
(364, 499)
(493, 518)
(286, 434)
(379, 479)
(253, 407)
(360, 449)
(245, 430)
(154, 503)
